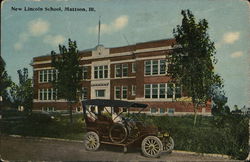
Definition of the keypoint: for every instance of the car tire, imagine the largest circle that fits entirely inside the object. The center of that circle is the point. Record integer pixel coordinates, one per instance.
(91, 141)
(151, 146)
(168, 145)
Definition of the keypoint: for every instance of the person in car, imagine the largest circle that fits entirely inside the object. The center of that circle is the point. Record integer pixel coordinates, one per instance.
(92, 114)
(115, 116)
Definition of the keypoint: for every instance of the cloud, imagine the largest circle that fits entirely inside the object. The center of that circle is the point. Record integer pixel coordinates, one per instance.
(231, 37)
(18, 46)
(54, 40)
(116, 25)
(38, 27)
(236, 54)
(23, 37)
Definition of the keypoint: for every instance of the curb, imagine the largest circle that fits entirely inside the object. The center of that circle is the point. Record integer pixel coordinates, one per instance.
(45, 138)
(203, 154)
(77, 141)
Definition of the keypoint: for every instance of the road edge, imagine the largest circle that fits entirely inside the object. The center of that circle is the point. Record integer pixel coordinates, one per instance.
(78, 141)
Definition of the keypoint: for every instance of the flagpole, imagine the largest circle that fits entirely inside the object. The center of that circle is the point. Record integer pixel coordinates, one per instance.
(99, 30)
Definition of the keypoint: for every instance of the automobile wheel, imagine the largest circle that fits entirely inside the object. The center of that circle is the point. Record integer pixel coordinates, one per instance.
(91, 141)
(168, 144)
(151, 146)
(118, 133)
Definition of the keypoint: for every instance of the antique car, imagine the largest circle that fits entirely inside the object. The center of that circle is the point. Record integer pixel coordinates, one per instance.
(131, 131)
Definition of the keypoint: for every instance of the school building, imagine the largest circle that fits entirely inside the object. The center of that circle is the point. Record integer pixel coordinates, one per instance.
(136, 73)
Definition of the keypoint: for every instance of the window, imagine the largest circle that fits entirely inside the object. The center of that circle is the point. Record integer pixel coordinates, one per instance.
(47, 75)
(41, 76)
(118, 70)
(105, 71)
(50, 94)
(170, 90)
(125, 70)
(47, 94)
(162, 110)
(101, 72)
(96, 72)
(147, 91)
(177, 91)
(41, 94)
(162, 90)
(48, 109)
(162, 66)
(124, 92)
(100, 93)
(133, 90)
(148, 68)
(84, 93)
(155, 67)
(154, 90)
(84, 72)
(121, 70)
(133, 67)
(45, 72)
(154, 110)
(118, 92)
(171, 110)
(50, 75)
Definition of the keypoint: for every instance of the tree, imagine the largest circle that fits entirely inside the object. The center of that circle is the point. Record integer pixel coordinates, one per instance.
(69, 73)
(22, 93)
(219, 102)
(192, 60)
(5, 82)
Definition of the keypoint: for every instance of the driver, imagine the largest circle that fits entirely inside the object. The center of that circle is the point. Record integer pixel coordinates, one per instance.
(115, 116)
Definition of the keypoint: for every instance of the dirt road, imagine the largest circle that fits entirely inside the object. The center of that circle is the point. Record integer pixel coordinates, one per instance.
(13, 148)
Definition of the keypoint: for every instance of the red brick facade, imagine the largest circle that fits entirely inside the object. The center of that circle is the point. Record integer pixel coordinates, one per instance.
(126, 56)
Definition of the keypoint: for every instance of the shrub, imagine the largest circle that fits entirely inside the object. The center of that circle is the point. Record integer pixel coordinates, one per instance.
(228, 136)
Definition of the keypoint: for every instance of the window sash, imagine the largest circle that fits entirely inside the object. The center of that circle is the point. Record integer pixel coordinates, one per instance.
(125, 70)
(162, 66)
(162, 110)
(133, 67)
(100, 72)
(84, 72)
(154, 90)
(118, 70)
(105, 71)
(155, 67)
(100, 93)
(124, 92)
(133, 90)
(96, 72)
(147, 92)
(162, 90)
(170, 90)
(148, 68)
(118, 92)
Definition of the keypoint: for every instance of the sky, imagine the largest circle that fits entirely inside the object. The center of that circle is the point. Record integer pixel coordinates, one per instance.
(27, 34)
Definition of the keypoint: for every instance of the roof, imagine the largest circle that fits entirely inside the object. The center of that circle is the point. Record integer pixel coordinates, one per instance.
(113, 103)
(149, 44)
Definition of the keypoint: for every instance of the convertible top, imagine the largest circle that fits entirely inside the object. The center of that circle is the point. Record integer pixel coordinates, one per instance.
(113, 103)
